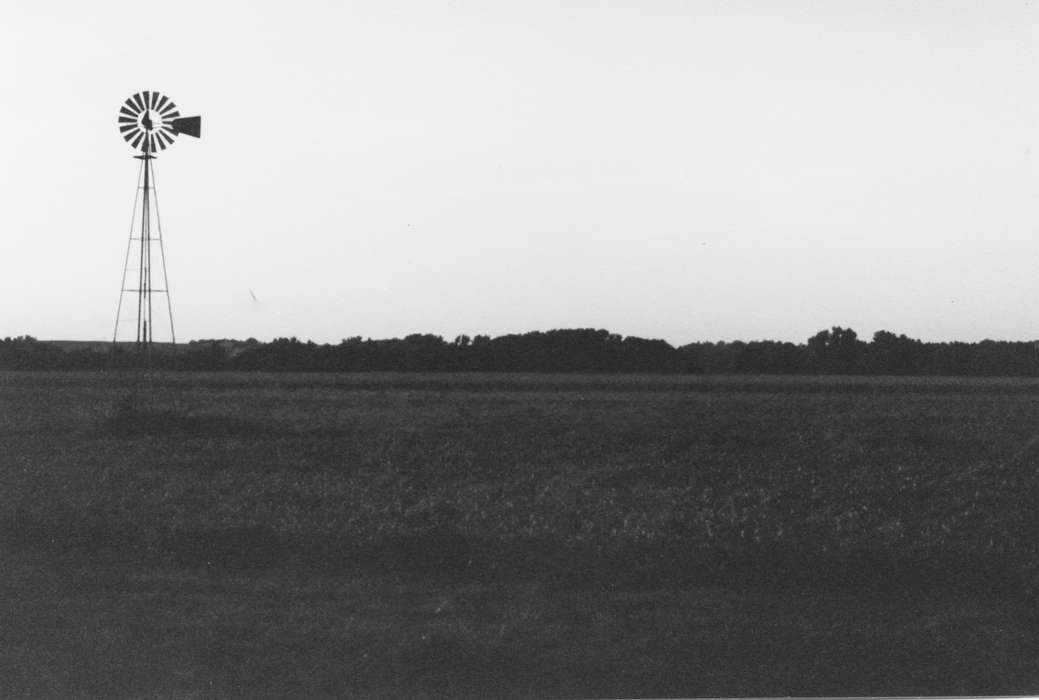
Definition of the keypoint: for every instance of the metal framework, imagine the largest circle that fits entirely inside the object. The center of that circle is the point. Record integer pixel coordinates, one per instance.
(143, 238)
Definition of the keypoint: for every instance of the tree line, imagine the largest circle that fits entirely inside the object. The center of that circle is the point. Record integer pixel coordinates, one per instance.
(834, 351)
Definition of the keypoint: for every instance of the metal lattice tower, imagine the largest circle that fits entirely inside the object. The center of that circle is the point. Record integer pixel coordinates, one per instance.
(150, 123)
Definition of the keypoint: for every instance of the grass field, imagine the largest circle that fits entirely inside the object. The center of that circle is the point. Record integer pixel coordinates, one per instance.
(518, 536)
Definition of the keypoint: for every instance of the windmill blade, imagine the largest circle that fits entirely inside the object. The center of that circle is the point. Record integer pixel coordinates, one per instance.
(192, 126)
(137, 141)
(155, 99)
(131, 106)
(140, 102)
(147, 99)
(128, 127)
(129, 136)
(127, 120)
(162, 103)
(169, 110)
(127, 112)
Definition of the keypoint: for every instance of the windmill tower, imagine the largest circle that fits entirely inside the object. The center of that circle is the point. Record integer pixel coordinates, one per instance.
(150, 123)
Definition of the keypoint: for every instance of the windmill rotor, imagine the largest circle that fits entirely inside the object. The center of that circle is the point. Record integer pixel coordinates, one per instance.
(149, 121)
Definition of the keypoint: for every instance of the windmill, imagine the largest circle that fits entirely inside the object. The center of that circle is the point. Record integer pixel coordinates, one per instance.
(149, 122)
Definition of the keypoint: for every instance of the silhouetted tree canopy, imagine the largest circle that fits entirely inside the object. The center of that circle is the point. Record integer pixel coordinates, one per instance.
(834, 351)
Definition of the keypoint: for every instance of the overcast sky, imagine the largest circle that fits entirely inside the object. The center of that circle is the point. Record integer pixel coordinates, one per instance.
(679, 170)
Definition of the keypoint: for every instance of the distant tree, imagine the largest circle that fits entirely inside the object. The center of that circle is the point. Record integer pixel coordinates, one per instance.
(424, 352)
(207, 356)
(896, 354)
(837, 351)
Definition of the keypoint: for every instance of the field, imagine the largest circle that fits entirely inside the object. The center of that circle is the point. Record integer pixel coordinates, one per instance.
(518, 536)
